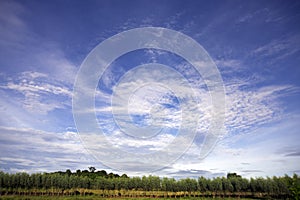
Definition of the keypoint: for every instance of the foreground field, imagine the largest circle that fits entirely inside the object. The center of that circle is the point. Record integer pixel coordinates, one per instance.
(96, 197)
(81, 193)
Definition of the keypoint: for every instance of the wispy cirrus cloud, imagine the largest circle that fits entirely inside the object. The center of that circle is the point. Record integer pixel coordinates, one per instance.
(22, 49)
(253, 107)
(247, 107)
(12, 25)
(39, 94)
(251, 101)
(280, 48)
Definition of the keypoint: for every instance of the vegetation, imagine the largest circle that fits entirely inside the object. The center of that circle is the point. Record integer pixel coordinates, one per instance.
(101, 184)
(95, 198)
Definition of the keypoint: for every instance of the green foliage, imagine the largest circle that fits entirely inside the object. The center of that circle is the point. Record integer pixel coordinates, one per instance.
(92, 169)
(113, 185)
(93, 198)
(203, 184)
(233, 175)
(295, 187)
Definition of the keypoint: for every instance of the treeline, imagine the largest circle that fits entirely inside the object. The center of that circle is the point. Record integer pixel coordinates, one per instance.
(112, 185)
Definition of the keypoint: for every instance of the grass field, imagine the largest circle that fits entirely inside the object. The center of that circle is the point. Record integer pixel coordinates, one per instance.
(12, 197)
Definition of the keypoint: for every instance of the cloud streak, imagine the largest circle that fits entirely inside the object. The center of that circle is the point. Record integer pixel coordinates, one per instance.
(40, 95)
(35, 150)
(279, 49)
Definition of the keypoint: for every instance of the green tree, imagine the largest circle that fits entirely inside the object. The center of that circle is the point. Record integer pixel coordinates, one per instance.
(92, 169)
(202, 184)
(168, 184)
(227, 186)
(233, 175)
(153, 183)
(295, 187)
(68, 172)
(78, 172)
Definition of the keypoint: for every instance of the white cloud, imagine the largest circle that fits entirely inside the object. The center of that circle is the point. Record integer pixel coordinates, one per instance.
(228, 66)
(246, 107)
(34, 87)
(249, 108)
(31, 75)
(53, 62)
(35, 150)
(39, 94)
(152, 144)
(12, 114)
(45, 89)
(24, 49)
(261, 152)
(152, 99)
(280, 48)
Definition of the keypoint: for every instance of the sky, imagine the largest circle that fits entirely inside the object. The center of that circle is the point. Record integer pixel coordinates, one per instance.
(153, 109)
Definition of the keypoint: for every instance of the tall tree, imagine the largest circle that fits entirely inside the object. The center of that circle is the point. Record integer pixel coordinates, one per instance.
(202, 184)
(92, 169)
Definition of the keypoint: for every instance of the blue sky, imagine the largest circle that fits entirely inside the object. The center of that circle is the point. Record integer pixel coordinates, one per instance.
(255, 46)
